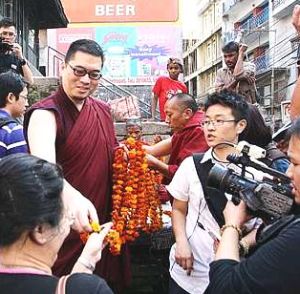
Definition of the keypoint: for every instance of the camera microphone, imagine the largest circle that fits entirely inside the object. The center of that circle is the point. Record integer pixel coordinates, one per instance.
(252, 151)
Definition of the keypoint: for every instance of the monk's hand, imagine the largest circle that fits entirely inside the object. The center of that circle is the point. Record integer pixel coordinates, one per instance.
(152, 160)
(184, 256)
(82, 209)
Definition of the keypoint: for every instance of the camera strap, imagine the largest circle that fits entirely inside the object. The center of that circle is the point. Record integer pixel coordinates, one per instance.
(272, 154)
(5, 121)
(215, 200)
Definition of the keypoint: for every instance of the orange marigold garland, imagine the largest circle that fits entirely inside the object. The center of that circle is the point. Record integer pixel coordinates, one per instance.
(136, 205)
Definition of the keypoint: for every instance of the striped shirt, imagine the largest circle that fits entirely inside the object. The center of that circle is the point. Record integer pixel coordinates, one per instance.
(11, 137)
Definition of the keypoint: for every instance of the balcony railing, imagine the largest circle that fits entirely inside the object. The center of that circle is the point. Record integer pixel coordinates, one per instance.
(262, 62)
(277, 3)
(256, 21)
(228, 5)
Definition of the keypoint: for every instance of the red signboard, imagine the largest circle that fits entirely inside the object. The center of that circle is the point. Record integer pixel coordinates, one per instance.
(121, 10)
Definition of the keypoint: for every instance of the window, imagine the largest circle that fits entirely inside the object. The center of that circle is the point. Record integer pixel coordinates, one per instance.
(8, 8)
(208, 51)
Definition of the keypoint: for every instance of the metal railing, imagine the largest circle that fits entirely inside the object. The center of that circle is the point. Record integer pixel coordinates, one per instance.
(254, 22)
(227, 5)
(262, 62)
(277, 3)
(32, 56)
(54, 60)
(118, 91)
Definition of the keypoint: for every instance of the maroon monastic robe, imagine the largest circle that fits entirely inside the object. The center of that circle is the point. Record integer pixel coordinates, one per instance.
(84, 148)
(185, 143)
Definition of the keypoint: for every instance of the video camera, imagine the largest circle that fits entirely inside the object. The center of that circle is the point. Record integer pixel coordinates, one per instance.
(4, 46)
(269, 199)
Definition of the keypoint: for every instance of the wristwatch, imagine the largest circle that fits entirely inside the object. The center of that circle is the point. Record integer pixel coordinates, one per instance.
(23, 62)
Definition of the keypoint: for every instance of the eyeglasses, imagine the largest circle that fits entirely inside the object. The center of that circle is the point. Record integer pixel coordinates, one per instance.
(24, 97)
(216, 122)
(80, 71)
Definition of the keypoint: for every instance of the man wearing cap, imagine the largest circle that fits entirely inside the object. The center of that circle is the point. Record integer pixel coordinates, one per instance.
(166, 87)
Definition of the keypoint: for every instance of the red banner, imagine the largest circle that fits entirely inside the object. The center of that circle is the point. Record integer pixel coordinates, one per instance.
(121, 10)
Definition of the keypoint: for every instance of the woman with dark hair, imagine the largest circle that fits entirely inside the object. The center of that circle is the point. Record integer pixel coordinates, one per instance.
(259, 134)
(34, 224)
(274, 266)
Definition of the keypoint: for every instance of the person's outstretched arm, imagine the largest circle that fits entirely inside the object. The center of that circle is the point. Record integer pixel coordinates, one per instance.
(42, 144)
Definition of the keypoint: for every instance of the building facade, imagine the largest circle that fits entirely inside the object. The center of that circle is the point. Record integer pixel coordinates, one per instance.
(265, 26)
(202, 55)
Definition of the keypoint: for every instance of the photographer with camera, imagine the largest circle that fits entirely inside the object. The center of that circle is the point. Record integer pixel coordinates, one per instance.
(274, 267)
(11, 56)
(197, 212)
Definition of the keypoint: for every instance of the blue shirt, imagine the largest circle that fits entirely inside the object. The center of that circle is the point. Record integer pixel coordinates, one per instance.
(11, 137)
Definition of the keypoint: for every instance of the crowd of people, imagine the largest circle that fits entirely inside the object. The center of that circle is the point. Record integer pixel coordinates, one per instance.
(56, 179)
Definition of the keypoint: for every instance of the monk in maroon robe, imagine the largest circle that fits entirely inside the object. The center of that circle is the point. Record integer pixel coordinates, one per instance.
(188, 137)
(84, 141)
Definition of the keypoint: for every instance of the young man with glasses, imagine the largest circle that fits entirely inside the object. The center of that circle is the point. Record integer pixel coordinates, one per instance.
(11, 56)
(76, 131)
(13, 102)
(196, 221)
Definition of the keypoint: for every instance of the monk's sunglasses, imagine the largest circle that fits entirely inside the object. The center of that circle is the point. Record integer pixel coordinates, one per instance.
(80, 71)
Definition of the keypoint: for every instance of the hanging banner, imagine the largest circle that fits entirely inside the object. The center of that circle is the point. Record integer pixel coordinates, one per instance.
(134, 55)
(121, 10)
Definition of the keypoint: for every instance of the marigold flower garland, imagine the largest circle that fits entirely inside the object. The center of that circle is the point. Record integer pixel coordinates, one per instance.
(136, 205)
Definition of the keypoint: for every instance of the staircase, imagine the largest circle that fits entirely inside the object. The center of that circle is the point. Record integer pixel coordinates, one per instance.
(107, 90)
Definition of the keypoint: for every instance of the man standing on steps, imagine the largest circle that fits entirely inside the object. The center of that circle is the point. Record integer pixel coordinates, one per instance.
(166, 87)
(238, 75)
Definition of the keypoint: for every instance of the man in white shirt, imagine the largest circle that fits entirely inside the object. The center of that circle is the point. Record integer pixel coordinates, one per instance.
(195, 223)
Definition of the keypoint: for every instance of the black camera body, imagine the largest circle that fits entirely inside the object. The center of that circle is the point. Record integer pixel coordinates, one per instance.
(269, 200)
(4, 46)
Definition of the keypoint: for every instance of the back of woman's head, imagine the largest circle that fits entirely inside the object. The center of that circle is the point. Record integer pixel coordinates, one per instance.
(256, 132)
(30, 195)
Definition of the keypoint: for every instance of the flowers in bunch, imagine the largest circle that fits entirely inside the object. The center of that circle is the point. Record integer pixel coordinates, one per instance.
(136, 206)
(112, 238)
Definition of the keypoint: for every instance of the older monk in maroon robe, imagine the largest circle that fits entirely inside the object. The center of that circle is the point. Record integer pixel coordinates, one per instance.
(76, 131)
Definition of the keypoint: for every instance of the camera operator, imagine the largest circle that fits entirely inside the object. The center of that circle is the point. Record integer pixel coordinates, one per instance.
(274, 267)
(11, 56)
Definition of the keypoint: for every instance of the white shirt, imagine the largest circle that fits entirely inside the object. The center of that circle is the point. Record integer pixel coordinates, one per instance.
(186, 186)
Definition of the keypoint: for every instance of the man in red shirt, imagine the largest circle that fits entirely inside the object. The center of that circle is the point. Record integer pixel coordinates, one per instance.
(166, 87)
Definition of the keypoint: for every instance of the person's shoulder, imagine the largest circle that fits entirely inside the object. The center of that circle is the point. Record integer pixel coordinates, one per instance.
(9, 125)
(87, 283)
(161, 79)
(187, 163)
(222, 69)
(100, 103)
(44, 102)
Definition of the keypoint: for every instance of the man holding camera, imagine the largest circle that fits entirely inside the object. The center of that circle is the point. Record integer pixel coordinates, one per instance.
(197, 210)
(238, 75)
(11, 56)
